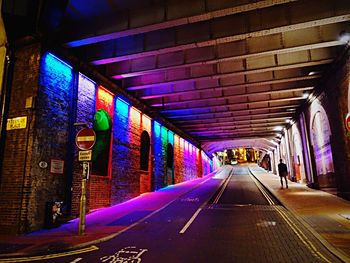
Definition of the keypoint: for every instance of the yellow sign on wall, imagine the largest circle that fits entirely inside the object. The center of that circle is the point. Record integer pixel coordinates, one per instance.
(16, 123)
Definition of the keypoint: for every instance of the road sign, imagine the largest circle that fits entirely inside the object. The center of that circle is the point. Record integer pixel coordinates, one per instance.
(85, 155)
(347, 122)
(85, 139)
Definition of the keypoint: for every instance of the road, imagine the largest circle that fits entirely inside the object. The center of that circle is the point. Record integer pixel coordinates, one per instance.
(229, 218)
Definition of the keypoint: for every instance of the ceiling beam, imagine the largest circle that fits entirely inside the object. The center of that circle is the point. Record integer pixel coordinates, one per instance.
(244, 135)
(113, 71)
(203, 120)
(173, 23)
(232, 112)
(224, 88)
(236, 126)
(231, 104)
(232, 74)
(228, 123)
(227, 97)
(318, 20)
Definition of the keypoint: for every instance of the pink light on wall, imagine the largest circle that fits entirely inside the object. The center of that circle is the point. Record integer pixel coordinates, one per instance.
(105, 100)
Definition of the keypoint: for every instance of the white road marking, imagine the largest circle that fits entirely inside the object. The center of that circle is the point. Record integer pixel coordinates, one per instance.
(125, 255)
(183, 230)
(76, 260)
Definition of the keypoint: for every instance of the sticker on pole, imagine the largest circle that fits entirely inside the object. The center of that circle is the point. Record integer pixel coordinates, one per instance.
(85, 156)
(85, 139)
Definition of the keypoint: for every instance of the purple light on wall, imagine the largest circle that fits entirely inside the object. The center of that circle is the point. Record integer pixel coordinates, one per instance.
(86, 89)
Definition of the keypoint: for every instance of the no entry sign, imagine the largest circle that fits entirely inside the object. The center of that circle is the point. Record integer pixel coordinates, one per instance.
(85, 139)
(347, 122)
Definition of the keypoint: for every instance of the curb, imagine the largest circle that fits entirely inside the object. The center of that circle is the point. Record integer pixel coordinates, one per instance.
(106, 238)
(339, 254)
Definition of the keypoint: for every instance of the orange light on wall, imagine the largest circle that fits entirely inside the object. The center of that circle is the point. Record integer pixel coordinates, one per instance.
(104, 100)
(135, 115)
(146, 123)
(176, 140)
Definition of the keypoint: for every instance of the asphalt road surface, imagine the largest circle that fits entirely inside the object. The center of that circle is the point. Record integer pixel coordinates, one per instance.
(229, 218)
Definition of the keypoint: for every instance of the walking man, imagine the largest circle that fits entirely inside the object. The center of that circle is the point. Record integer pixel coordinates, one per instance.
(282, 172)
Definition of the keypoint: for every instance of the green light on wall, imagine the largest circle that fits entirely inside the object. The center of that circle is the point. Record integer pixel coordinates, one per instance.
(102, 121)
(100, 153)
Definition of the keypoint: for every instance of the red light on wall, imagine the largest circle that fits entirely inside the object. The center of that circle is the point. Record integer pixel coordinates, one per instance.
(105, 100)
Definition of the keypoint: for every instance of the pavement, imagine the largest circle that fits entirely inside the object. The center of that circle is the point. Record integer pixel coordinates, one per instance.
(325, 215)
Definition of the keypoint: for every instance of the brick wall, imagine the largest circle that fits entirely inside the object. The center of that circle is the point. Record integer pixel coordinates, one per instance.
(51, 138)
(128, 180)
(16, 165)
(337, 107)
(25, 187)
(86, 97)
(334, 101)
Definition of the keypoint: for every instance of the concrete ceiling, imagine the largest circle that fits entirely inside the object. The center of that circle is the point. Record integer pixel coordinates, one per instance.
(225, 72)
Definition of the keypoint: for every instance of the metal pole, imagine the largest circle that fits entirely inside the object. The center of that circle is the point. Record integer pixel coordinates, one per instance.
(83, 199)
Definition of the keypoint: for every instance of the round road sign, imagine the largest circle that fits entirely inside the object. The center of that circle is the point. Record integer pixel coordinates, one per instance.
(85, 139)
(347, 122)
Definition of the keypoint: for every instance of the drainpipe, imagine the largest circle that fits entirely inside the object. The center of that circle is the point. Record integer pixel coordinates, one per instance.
(5, 87)
(71, 142)
(5, 102)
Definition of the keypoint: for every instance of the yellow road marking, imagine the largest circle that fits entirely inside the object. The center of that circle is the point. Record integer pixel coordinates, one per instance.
(301, 236)
(292, 225)
(51, 256)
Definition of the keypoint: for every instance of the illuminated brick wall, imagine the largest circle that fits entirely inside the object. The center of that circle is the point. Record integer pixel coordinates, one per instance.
(26, 187)
(85, 113)
(65, 96)
(334, 100)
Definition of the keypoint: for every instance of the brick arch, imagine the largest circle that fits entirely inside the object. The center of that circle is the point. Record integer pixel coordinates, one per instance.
(144, 150)
(298, 155)
(320, 132)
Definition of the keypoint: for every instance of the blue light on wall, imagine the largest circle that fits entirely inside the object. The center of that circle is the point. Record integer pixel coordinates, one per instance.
(156, 128)
(51, 63)
(122, 107)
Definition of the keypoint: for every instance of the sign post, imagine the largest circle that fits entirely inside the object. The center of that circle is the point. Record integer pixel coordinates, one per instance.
(84, 140)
